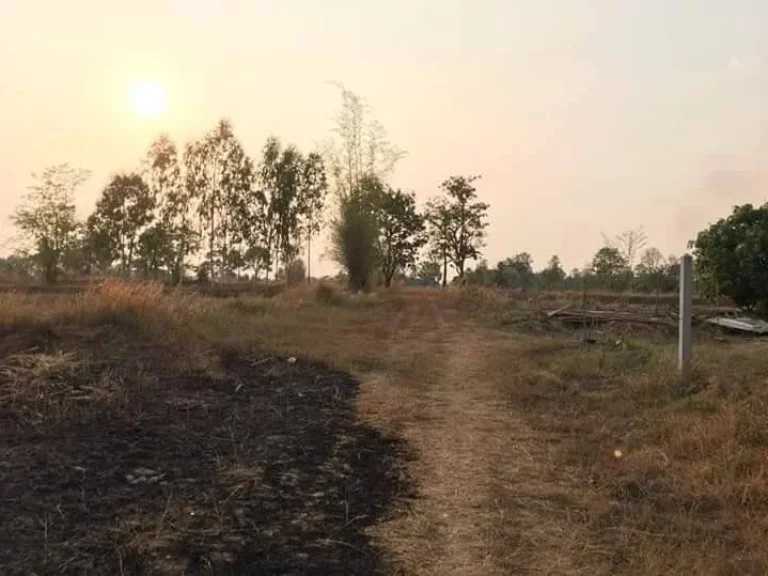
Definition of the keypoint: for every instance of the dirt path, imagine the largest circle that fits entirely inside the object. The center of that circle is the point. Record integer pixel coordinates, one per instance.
(490, 500)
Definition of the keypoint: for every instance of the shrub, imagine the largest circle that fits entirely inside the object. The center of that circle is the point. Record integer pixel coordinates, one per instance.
(295, 272)
(354, 240)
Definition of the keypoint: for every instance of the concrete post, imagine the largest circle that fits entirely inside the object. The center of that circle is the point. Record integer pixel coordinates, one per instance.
(686, 303)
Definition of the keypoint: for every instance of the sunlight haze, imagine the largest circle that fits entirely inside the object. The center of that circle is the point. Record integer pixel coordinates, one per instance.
(582, 116)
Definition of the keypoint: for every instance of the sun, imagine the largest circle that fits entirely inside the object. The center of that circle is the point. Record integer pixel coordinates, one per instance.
(148, 99)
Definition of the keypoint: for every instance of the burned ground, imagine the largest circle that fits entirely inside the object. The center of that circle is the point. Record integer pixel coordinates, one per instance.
(114, 460)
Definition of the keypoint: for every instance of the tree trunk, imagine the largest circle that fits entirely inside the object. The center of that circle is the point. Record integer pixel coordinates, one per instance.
(309, 259)
(445, 269)
(211, 256)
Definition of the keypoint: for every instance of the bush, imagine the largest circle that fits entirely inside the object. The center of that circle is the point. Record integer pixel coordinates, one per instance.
(730, 258)
(354, 237)
(328, 294)
(295, 272)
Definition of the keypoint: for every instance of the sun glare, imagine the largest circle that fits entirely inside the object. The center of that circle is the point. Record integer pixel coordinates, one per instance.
(148, 99)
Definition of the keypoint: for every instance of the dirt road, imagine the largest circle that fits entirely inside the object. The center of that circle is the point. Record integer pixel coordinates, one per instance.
(491, 501)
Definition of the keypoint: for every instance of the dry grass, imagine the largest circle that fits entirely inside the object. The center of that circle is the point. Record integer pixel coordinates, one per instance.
(514, 424)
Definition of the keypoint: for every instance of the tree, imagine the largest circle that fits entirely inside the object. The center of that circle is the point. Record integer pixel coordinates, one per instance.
(731, 258)
(553, 275)
(481, 275)
(515, 272)
(256, 258)
(355, 234)
(651, 269)
(361, 149)
(628, 243)
(458, 223)
(401, 232)
(123, 211)
(20, 265)
(292, 195)
(47, 216)
(174, 235)
(438, 218)
(313, 192)
(220, 179)
(428, 272)
(295, 272)
(609, 266)
(156, 251)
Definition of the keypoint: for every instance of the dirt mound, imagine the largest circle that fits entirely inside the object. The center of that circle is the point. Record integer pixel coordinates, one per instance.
(112, 462)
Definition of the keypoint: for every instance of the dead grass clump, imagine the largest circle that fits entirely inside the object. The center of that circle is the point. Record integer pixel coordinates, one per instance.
(134, 304)
(39, 387)
(328, 294)
(120, 302)
(250, 305)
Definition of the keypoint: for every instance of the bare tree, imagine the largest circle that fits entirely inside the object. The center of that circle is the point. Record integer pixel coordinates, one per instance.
(361, 149)
(630, 243)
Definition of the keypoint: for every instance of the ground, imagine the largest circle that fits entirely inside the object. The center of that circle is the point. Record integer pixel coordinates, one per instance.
(407, 432)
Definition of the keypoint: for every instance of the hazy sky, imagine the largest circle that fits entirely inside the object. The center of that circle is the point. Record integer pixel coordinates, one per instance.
(583, 116)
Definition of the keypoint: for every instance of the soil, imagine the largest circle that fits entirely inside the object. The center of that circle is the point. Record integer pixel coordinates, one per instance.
(114, 460)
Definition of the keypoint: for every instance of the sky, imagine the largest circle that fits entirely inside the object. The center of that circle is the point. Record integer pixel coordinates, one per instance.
(582, 116)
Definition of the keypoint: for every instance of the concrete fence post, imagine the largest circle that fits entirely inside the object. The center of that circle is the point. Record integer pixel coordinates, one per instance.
(685, 339)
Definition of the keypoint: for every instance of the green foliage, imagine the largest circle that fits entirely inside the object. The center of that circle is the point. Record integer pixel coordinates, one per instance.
(553, 276)
(295, 272)
(515, 272)
(428, 272)
(47, 217)
(122, 212)
(19, 265)
(610, 268)
(457, 223)
(401, 231)
(219, 178)
(355, 234)
(732, 258)
(175, 237)
(655, 273)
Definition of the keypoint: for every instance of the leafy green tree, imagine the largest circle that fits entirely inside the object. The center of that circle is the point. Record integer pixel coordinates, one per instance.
(174, 236)
(428, 272)
(47, 216)
(731, 258)
(219, 177)
(355, 234)
(516, 271)
(19, 265)
(458, 223)
(439, 220)
(481, 275)
(313, 194)
(295, 272)
(553, 275)
(156, 252)
(291, 191)
(256, 258)
(650, 271)
(401, 232)
(123, 211)
(610, 267)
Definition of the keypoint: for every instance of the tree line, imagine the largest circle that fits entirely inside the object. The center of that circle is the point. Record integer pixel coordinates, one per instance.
(213, 212)
(615, 267)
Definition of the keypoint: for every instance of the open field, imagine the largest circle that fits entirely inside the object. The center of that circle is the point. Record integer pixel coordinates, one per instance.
(417, 432)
